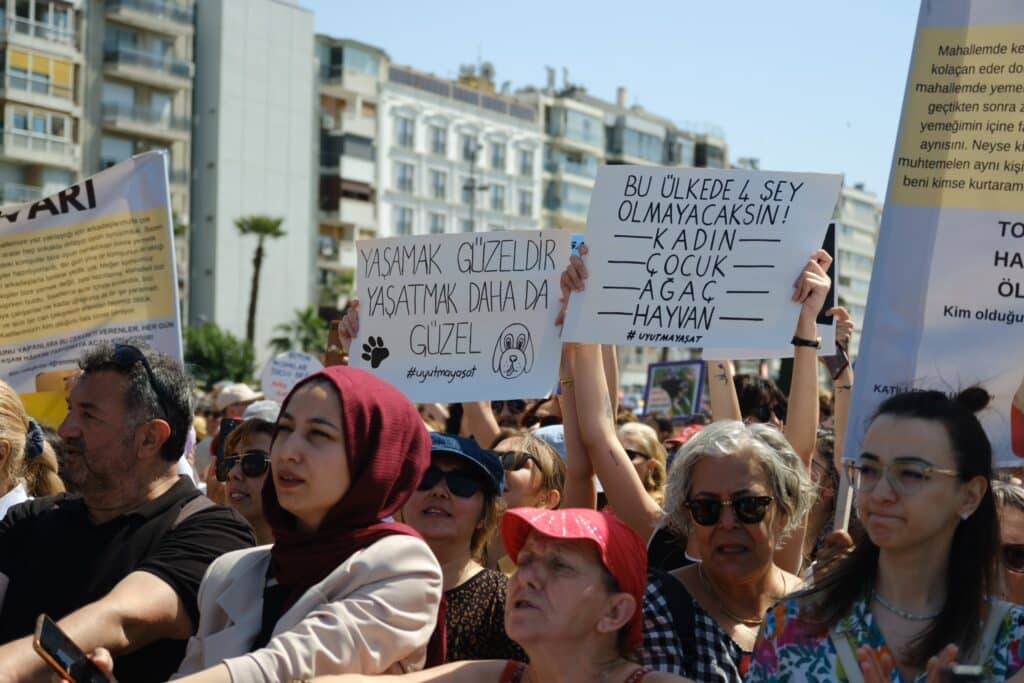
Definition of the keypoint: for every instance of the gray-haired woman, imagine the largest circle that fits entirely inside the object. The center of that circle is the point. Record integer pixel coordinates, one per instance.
(738, 491)
(1010, 506)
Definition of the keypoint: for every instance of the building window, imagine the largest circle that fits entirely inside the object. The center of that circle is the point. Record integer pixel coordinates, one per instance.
(469, 148)
(438, 184)
(437, 221)
(438, 141)
(405, 132)
(466, 225)
(494, 227)
(114, 150)
(403, 177)
(498, 156)
(40, 75)
(525, 203)
(526, 162)
(467, 190)
(403, 220)
(497, 197)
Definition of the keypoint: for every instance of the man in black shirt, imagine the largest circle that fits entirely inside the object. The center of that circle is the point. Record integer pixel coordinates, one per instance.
(120, 566)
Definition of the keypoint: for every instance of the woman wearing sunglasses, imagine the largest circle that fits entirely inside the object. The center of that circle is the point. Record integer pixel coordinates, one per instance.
(244, 469)
(1010, 506)
(923, 572)
(456, 509)
(648, 456)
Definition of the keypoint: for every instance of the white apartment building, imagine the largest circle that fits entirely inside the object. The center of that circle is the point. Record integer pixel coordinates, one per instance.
(255, 142)
(453, 158)
(858, 216)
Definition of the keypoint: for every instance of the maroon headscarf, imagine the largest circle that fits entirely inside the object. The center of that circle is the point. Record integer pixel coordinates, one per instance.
(388, 450)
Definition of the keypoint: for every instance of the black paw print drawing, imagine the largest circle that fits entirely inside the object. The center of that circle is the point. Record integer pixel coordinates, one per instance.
(374, 351)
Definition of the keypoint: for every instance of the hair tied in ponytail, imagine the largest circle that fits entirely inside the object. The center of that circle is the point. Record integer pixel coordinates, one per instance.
(34, 440)
(973, 399)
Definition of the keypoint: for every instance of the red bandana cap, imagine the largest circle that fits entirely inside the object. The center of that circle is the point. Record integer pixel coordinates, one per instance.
(623, 552)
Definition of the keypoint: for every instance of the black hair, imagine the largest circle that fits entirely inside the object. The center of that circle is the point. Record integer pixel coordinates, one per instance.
(142, 400)
(753, 392)
(971, 571)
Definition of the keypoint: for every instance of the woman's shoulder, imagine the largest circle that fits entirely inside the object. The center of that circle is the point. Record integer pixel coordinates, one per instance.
(237, 562)
(389, 557)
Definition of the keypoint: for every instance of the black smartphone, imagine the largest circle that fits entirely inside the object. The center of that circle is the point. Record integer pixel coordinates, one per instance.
(836, 363)
(226, 425)
(961, 673)
(61, 653)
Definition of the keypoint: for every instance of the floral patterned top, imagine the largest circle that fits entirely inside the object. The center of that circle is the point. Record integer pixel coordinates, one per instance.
(791, 649)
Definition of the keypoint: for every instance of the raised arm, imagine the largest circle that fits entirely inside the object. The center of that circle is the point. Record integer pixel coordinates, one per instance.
(580, 491)
(842, 388)
(725, 405)
(479, 421)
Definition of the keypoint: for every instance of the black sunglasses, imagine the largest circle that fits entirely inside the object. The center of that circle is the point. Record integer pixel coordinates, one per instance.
(125, 358)
(637, 454)
(1013, 557)
(460, 483)
(748, 509)
(517, 405)
(254, 464)
(515, 460)
(764, 413)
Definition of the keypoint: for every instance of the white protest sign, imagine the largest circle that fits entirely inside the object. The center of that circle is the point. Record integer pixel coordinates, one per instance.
(92, 263)
(946, 303)
(697, 258)
(462, 317)
(283, 371)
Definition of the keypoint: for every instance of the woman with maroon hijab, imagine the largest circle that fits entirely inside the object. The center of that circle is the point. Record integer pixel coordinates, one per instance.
(341, 590)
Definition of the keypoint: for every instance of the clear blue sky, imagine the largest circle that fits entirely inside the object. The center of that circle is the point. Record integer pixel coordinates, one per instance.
(804, 85)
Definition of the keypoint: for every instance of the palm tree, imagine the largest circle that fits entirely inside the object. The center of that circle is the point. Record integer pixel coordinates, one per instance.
(307, 332)
(263, 227)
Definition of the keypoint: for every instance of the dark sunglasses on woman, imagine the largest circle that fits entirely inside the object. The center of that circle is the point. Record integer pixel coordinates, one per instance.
(254, 464)
(515, 460)
(461, 484)
(1013, 557)
(764, 413)
(515, 406)
(748, 509)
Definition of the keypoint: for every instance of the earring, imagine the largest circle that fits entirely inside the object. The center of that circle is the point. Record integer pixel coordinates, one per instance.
(965, 515)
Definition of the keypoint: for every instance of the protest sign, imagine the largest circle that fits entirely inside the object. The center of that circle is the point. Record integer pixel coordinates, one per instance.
(946, 302)
(283, 371)
(462, 317)
(92, 263)
(674, 388)
(696, 258)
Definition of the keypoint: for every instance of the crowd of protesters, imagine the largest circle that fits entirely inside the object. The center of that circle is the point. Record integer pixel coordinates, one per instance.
(346, 533)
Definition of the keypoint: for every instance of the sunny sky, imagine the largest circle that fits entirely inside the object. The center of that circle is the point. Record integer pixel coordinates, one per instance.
(803, 85)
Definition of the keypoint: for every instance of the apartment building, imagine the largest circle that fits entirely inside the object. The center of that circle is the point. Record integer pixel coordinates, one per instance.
(255, 142)
(456, 156)
(350, 77)
(41, 97)
(858, 216)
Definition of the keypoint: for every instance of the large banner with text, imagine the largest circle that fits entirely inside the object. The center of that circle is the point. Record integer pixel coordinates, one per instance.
(699, 258)
(91, 263)
(946, 303)
(462, 317)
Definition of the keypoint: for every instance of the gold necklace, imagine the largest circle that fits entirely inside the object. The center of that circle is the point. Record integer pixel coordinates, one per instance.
(714, 594)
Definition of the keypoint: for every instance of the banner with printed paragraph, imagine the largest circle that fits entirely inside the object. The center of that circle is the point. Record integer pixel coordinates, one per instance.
(946, 302)
(462, 317)
(698, 258)
(92, 263)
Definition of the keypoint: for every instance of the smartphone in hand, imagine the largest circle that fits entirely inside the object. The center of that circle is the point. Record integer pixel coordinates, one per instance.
(61, 653)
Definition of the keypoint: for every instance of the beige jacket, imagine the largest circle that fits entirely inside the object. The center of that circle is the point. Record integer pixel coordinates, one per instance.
(375, 613)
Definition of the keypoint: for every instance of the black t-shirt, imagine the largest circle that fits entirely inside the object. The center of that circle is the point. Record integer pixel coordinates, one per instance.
(58, 561)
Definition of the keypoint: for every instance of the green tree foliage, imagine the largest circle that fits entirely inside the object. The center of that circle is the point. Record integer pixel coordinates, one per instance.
(306, 332)
(213, 354)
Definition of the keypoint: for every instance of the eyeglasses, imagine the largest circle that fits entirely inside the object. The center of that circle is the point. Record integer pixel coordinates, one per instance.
(748, 509)
(517, 405)
(637, 454)
(515, 460)
(905, 478)
(460, 483)
(1013, 557)
(764, 413)
(125, 358)
(254, 464)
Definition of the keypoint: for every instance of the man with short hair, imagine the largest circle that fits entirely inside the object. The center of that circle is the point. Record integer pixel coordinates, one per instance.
(120, 566)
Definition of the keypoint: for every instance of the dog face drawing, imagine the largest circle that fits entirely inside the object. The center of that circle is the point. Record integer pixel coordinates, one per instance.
(513, 354)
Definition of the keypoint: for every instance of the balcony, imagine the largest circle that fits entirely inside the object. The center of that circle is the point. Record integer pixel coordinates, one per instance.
(162, 16)
(360, 170)
(138, 65)
(13, 193)
(336, 80)
(363, 126)
(20, 145)
(585, 171)
(37, 34)
(357, 212)
(144, 121)
(32, 89)
(340, 256)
